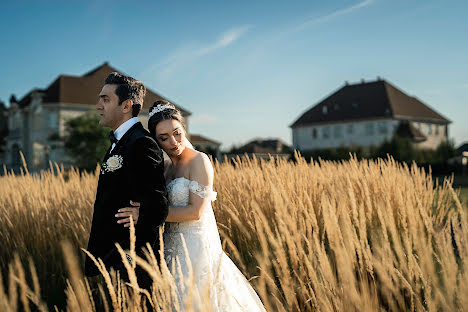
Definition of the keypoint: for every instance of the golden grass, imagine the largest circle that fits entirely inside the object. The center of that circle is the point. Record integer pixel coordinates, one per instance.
(325, 236)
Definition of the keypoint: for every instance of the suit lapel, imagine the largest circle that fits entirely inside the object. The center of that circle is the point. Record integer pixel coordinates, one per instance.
(121, 143)
(107, 153)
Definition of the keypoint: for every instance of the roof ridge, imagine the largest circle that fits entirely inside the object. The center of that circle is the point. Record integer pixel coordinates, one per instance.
(92, 71)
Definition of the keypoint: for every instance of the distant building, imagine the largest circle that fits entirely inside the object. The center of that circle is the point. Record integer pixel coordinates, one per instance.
(461, 158)
(206, 145)
(262, 148)
(366, 114)
(3, 130)
(38, 119)
(463, 148)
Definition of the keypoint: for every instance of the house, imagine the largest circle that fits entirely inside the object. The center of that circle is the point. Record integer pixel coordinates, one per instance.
(367, 114)
(3, 129)
(38, 119)
(461, 158)
(262, 148)
(206, 145)
(463, 148)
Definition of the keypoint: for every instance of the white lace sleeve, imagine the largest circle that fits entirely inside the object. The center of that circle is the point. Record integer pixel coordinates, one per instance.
(202, 191)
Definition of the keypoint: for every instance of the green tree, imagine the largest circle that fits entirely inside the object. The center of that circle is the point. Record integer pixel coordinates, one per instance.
(86, 141)
(445, 151)
(400, 148)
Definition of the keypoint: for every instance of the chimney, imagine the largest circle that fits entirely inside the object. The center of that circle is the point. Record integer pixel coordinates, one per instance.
(362, 80)
(13, 99)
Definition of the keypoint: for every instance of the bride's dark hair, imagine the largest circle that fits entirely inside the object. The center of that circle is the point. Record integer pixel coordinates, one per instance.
(162, 110)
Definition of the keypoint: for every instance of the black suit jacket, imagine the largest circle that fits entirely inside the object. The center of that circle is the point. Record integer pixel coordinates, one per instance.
(141, 179)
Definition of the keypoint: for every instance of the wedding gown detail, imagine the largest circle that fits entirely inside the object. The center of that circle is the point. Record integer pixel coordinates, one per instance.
(213, 270)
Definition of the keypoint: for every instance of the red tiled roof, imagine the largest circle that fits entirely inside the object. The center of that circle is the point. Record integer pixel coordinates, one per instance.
(378, 99)
(85, 89)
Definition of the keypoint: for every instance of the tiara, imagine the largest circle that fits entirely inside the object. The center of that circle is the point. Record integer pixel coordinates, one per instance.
(160, 108)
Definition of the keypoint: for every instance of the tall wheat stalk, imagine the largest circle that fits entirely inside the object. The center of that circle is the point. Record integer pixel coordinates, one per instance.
(321, 236)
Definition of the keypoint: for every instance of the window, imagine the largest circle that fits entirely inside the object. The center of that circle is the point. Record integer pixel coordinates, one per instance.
(369, 127)
(314, 133)
(52, 119)
(382, 128)
(324, 110)
(350, 129)
(326, 132)
(428, 129)
(15, 155)
(436, 129)
(338, 131)
(16, 119)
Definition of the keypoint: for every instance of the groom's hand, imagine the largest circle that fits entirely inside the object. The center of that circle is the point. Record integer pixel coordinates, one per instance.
(128, 212)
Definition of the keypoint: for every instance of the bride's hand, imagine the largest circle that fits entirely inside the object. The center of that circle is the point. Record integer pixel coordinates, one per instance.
(126, 212)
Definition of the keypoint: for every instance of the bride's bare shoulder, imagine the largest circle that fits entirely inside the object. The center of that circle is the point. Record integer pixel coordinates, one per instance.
(201, 165)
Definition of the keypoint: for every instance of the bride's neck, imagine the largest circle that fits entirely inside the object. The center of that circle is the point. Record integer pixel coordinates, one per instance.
(177, 159)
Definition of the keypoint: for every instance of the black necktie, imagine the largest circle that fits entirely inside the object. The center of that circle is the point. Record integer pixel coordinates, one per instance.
(112, 137)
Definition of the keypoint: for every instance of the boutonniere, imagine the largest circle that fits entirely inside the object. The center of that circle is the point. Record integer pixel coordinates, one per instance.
(113, 163)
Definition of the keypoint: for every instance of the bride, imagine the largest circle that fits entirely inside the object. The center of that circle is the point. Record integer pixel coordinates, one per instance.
(192, 246)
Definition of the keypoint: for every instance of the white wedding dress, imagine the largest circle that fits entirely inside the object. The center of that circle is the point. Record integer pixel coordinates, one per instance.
(212, 270)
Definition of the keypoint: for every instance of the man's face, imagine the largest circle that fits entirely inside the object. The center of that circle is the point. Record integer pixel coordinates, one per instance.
(110, 112)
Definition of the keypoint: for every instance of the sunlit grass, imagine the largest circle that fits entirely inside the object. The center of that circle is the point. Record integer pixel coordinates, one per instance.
(348, 236)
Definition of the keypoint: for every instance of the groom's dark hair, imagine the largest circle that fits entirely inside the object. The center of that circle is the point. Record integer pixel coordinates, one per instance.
(128, 88)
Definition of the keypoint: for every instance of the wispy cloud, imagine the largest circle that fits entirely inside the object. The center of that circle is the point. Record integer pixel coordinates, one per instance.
(187, 53)
(333, 15)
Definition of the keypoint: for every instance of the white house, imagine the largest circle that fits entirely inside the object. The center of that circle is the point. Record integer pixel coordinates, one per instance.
(37, 120)
(366, 114)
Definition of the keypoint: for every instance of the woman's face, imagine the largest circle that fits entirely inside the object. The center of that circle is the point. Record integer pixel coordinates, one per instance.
(171, 137)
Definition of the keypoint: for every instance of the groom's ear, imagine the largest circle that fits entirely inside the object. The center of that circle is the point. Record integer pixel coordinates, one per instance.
(127, 106)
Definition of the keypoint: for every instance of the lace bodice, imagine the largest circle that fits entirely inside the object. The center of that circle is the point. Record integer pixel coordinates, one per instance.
(179, 189)
(179, 192)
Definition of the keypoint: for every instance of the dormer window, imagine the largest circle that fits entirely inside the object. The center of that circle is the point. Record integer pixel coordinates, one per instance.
(324, 110)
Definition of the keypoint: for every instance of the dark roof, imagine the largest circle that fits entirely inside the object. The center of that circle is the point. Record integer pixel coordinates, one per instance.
(85, 89)
(271, 146)
(368, 100)
(463, 148)
(195, 138)
(407, 130)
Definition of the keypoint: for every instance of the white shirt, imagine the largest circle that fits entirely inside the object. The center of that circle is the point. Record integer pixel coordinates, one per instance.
(123, 128)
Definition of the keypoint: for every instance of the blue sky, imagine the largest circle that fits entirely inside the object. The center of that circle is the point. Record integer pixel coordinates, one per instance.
(245, 69)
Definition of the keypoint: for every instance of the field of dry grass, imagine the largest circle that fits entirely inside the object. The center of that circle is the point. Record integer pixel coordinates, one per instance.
(348, 236)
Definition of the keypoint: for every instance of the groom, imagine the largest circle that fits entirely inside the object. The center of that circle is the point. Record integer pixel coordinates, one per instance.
(132, 169)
